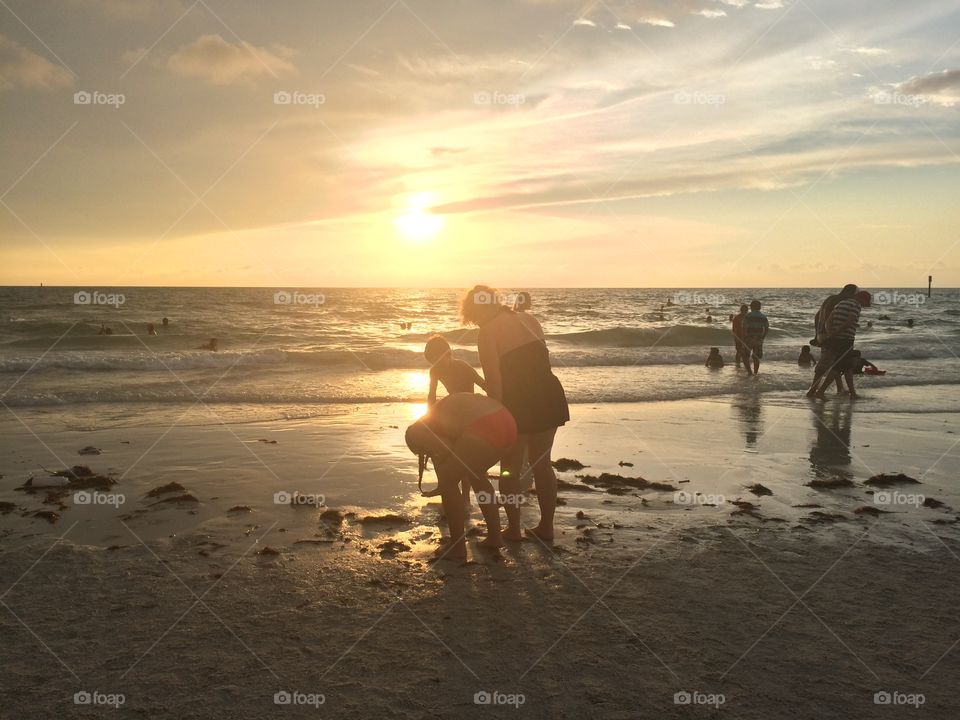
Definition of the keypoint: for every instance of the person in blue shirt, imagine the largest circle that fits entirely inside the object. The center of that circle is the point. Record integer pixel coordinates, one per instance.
(755, 329)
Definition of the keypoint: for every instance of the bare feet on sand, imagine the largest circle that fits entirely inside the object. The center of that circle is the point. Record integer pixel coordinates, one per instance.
(540, 533)
(455, 552)
(512, 535)
(491, 543)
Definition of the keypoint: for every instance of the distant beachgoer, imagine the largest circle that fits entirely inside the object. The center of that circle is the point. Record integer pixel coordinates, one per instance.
(660, 315)
(826, 361)
(709, 318)
(669, 302)
(516, 368)
(521, 302)
(841, 333)
(212, 345)
(910, 323)
(858, 364)
(805, 359)
(104, 330)
(456, 375)
(165, 322)
(714, 359)
(465, 435)
(736, 322)
(151, 330)
(883, 317)
(755, 329)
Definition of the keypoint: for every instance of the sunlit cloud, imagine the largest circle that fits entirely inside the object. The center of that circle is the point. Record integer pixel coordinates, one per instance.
(213, 59)
(20, 67)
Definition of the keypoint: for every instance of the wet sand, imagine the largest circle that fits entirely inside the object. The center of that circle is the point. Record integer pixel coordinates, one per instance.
(758, 598)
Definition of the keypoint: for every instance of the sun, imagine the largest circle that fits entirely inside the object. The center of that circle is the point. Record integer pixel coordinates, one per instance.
(417, 224)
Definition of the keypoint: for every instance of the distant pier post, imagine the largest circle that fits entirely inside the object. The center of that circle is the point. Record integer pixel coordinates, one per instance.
(929, 284)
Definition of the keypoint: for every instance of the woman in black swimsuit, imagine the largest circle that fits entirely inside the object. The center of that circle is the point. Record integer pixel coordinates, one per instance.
(516, 368)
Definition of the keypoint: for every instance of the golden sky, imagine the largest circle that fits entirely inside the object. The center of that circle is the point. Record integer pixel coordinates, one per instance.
(520, 143)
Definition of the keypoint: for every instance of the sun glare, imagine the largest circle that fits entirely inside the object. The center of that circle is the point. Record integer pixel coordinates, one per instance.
(417, 224)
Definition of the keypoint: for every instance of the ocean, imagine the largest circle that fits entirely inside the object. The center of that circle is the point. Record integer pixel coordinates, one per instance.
(298, 352)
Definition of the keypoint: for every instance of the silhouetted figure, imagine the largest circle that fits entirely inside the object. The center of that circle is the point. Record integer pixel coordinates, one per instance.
(151, 330)
(455, 375)
(165, 322)
(736, 324)
(806, 358)
(212, 346)
(715, 359)
(755, 329)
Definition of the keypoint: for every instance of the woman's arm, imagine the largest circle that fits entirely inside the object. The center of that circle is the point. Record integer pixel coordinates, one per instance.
(490, 362)
(432, 394)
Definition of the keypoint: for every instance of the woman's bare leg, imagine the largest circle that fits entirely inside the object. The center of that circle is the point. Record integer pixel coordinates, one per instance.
(540, 446)
(511, 482)
(478, 457)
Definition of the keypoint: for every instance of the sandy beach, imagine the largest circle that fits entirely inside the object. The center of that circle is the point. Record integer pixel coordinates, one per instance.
(730, 579)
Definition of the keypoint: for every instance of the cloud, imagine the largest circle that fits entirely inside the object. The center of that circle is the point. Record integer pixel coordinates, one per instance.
(707, 13)
(213, 59)
(20, 67)
(584, 22)
(657, 22)
(942, 88)
(869, 51)
(769, 5)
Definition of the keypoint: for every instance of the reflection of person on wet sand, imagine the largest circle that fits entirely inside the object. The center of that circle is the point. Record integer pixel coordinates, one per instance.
(831, 449)
(465, 435)
(212, 346)
(750, 410)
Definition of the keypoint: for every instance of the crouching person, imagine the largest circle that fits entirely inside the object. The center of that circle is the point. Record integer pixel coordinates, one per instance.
(465, 434)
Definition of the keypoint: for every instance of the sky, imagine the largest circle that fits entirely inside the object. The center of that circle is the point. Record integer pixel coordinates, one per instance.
(522, 143)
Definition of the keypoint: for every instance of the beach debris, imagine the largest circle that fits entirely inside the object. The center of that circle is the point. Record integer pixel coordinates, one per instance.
(888, 480)
(390, 548)
(313, 541)
(620, 485)
(7, 507)
(870, 510)
(184, 497)
(332, 515)
(168, 488)
(746, 508)
(89, 450)
(581, 515)
(927, 502)
(817, 517)
(759, 489)
(624, 463)
(240, 508)
(49, 515)
(267, 442)
(566, 465)
(830, 483)
(268, 551)
(386, 519)
(565, 485)
(807, 505)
